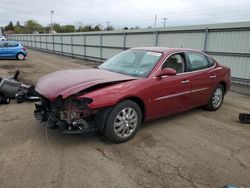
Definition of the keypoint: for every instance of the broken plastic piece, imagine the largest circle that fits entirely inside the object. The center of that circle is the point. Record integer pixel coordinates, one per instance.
(244, 118)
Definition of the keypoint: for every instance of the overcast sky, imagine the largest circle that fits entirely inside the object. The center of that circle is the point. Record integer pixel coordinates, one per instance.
(128, 13)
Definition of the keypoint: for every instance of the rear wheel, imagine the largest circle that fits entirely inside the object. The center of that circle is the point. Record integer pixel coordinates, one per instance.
(216, 99)
(20, 56)
(123, 121)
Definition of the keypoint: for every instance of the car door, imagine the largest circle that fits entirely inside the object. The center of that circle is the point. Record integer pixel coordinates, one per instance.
(6, 50)
(1, 49)
(202, 78)
(13, 49)
(171, 94)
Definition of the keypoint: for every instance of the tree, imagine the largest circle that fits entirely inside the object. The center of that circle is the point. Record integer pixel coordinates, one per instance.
(57, 27)
(18, 28)
(9, 27)
(87, 28)
(109, 28)
(97, 28)
(68, 28)
(31, 25)
(18, 24)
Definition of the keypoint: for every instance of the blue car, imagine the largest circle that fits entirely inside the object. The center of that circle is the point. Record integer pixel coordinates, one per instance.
(13, 50)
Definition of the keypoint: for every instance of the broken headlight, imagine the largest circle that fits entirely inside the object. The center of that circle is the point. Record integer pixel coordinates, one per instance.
(81, 103)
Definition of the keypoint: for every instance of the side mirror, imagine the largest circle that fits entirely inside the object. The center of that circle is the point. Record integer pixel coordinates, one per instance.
(166, 72)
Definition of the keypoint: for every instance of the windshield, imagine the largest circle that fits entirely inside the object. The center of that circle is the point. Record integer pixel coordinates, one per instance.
(131, 62)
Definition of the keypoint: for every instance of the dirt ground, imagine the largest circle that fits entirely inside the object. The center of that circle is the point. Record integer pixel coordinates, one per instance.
(192, 149)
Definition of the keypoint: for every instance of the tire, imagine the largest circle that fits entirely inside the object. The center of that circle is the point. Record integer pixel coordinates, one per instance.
(20, 56)
(123, 122)
(216, 99)
(4, 100)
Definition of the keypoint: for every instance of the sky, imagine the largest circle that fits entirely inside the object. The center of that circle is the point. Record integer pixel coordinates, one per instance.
(125, 13)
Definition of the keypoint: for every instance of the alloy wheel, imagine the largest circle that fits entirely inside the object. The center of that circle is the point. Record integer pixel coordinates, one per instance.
(217, 97)
(125, 122)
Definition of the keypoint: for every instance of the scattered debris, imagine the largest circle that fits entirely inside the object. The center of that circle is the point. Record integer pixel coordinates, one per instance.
(244, 118)
(231, 186)
(11, 88)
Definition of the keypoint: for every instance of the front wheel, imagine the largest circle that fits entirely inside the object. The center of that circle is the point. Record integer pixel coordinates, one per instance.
(216, 99)
(123, 121)
(20, 56)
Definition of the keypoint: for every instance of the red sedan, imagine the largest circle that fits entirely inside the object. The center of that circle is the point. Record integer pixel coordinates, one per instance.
(137, 85)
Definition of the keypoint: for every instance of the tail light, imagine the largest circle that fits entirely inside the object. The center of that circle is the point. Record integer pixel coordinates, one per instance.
(24, 49)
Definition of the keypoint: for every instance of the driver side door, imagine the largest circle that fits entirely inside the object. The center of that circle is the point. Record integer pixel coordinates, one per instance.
(171, 94)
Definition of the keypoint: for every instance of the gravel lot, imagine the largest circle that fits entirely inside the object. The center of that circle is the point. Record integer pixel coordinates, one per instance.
(192, 149)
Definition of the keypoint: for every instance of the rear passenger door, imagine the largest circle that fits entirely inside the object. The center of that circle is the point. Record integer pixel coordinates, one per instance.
(202, 78)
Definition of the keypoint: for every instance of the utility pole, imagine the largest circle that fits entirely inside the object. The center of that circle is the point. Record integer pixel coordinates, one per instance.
(164, 22)
(51, 20)
(155, 20)
(107, 25)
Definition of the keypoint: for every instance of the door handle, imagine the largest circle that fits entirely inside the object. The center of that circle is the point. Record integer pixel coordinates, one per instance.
(185, 81)
(212, 76)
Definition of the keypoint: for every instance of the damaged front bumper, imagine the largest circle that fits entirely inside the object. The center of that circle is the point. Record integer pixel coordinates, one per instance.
(71, 116)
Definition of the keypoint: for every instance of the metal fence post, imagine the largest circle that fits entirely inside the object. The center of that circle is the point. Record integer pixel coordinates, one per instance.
(100, 47)
(82, 38)
(35, 41)
(124, 40)
(61, 44)
(205, 40)
(40, 42)
(71, 41)
(156, 37)
(53, 43)
(31, 41)
(46, 42)
(85, 47)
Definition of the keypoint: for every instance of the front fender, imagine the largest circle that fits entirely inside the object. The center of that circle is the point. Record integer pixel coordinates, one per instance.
(104, 98)
(110, 96)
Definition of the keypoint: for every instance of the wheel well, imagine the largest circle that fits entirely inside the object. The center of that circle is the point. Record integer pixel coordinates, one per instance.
(19, 53)
(140, 103)
(224, 85)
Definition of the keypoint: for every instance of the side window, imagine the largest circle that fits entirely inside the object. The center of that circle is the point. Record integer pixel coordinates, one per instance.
(176, 62)
(210, 62)
(13, 44)
(198, 61)
(6, 44)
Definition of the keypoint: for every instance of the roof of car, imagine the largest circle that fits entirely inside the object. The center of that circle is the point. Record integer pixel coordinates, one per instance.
(9, 41)
(162, 49)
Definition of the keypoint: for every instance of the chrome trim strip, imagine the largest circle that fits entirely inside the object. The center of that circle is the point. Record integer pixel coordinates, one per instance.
(218, 68)
(181, 93)
(201, 89)
(173, 95)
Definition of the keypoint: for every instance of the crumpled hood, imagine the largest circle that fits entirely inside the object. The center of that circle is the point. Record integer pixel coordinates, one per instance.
(69, 82)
